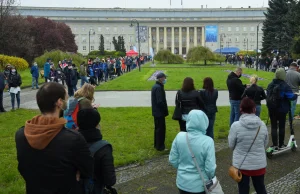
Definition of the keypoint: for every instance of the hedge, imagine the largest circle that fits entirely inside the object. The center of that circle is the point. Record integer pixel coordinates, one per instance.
(107, 54)
(19, 63)
(57, 56)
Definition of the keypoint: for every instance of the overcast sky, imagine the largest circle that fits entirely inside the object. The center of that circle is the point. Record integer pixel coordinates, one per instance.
(144, 3)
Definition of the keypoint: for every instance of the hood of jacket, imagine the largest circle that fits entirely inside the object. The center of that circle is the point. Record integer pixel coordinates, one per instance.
(40, 130)
(250, 121)
(197, 121)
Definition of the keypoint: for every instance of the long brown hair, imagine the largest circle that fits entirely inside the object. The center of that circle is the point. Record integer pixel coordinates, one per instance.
(208, 84)
(188, 85)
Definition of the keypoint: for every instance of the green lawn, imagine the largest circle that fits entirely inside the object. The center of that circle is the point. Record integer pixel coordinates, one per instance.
(136, 80)
(201, 64)
(130, 130)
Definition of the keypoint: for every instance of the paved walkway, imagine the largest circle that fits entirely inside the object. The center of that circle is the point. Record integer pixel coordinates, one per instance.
(113, 99)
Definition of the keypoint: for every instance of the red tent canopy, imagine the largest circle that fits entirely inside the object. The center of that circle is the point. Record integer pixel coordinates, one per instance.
(131, 53)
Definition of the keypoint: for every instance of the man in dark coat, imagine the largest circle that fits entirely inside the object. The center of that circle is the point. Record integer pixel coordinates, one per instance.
(2, 87)
(71, 79)
(236, 90)
(159, 111)
(49, 155)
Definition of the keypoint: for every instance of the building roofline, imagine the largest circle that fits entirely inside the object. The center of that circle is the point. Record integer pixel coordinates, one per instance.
(141, 9)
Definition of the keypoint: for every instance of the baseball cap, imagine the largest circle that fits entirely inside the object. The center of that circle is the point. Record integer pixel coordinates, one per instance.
(160, 75)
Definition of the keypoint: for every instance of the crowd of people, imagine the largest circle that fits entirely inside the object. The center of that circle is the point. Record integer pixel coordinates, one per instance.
(248, 136)
(63, 151)
(67, 73)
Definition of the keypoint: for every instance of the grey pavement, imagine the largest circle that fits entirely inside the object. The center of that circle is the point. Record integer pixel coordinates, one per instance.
(112, 99)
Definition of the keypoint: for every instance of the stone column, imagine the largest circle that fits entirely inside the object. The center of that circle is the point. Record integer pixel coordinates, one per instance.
(187, 39)
(157, 39)
(173, 45)
(180, 40)
(203, 36)
(165, 38)
(150, 39)
(195, 36)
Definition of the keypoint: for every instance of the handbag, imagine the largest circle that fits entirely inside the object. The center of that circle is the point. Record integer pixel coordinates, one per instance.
(235, 173)
(177, 115)
(212, 186)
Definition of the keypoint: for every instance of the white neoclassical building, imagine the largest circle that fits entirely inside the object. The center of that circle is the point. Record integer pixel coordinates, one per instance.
(173, 29)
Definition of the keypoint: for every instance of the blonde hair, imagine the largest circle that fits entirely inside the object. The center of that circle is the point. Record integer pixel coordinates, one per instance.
(254, 79)
(87, 91)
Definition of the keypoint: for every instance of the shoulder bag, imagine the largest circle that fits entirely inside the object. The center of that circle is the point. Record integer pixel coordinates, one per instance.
(177, 115)
(235, 173)
(212, 186)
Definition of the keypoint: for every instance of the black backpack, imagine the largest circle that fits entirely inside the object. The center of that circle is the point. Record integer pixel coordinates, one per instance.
(273, 97)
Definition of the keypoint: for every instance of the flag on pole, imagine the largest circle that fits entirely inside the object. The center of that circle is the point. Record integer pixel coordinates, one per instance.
(181, 2)
(170, 2)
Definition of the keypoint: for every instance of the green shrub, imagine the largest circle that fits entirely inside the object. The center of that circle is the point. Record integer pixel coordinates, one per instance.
(95, 54)
(165, 56)
(219, 58)
(57, 56)
(19, 63)
(245, 53)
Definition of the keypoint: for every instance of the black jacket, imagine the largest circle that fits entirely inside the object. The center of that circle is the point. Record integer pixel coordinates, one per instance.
(53, 169)
(235, 87)
(210, 101)
(14, 80)
(158, 101)
(71, 77)
(189, 101)
(256, 93)
(2, 85)
(104, 169)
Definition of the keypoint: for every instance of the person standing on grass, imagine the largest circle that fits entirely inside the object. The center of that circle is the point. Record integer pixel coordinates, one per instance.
(242, 134)
(118, 67)
(236, 89)
(83, 74)
(35, 76)
(188, 99)
(123, 65)
(2, 87)
(71, 79)
(47, 70)
(209, 96)
(159, 111)
(14, 82)
(255, 93)
(293, 80)
(49, 155)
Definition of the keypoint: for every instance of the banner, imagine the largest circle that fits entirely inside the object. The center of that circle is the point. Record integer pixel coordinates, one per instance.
(211, 33)
(143, 34)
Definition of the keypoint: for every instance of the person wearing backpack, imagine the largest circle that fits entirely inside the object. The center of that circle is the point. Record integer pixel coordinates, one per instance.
(104, 171)
(255, 93)
(279, 95)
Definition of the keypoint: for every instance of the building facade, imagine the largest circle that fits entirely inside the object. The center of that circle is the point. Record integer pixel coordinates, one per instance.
(173, 29)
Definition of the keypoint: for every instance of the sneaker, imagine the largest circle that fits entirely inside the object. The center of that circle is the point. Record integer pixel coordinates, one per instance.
(275, 148)
(282, 147)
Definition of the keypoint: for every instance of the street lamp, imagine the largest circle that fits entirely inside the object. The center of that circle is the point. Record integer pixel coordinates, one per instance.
(90, 38)
(139, 43)
(257, 29)
(223, 34)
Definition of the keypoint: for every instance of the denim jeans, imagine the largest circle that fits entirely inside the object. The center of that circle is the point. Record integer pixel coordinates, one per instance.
(83, 80)
(13, 95)
(35, 82)
(258, 110)
(293, 107)
(210, 129)
(234, 111)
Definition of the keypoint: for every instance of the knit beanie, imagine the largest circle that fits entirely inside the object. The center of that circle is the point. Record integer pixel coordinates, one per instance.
(280, 74)
(88, 119)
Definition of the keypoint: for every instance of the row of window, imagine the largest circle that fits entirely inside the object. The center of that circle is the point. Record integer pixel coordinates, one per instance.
(237, 29)
(99, 29)
(251, 39)
(176, 39)
(191, 29)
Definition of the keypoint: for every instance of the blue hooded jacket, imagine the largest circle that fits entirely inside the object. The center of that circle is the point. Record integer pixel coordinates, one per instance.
(104, 67)
(34, 71)
(46, 69)
(188, 177)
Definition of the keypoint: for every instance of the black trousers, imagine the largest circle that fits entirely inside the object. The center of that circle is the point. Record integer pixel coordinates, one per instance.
(182, 125)
(277, 121)
(258, 183)
(128, 68)
(1, 101)
(159, 133)
(184, 192)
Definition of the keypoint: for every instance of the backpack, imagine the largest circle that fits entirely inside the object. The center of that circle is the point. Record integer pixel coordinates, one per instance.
(273, 97)
(70, 114)
(90, 184)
